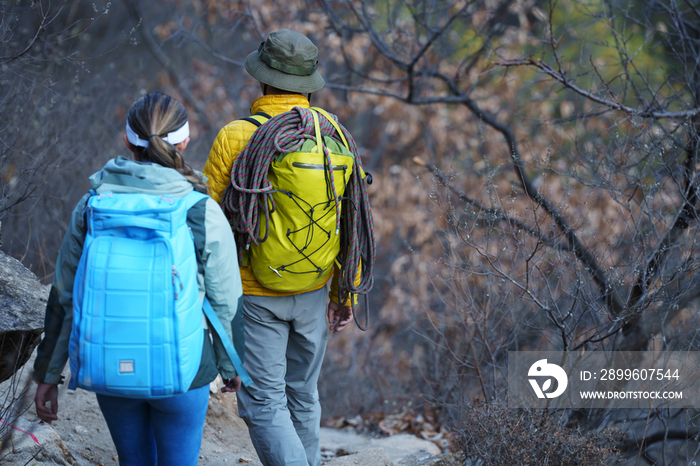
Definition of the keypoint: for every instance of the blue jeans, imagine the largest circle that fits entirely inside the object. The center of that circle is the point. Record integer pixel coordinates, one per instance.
(162, 432)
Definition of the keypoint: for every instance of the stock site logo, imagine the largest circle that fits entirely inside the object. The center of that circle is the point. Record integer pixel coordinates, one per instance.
(540, 370)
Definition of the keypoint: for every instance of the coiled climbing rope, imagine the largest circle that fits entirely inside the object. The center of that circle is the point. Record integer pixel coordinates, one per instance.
(249, 197)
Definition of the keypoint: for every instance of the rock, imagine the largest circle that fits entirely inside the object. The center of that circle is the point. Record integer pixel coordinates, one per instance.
(399, 446)
(37, 442)
(419, 458)
(371, 457)
(216, 384)
(22, 307)
(334, 439)
(396, 446)
(424, 458)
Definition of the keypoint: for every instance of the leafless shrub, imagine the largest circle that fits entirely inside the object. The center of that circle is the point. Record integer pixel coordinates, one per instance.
(15, 400)
(497, 435)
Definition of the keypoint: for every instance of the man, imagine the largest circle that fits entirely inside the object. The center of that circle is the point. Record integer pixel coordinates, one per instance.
(285, 333)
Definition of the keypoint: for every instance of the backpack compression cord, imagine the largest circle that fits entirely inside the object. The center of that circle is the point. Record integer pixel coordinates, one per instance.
(250, 194)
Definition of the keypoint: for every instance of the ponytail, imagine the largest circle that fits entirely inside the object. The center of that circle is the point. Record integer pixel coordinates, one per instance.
(152, 118)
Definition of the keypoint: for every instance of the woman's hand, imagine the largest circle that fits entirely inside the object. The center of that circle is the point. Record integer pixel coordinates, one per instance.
(46, 393)
(231, 385)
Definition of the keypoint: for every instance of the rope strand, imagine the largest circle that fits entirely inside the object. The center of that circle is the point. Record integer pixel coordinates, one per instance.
(249, 197)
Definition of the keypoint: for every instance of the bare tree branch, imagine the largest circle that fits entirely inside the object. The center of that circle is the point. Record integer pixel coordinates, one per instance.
(662, 436)
(135, 11)
(493, 214)
(637, 335)
(193, 37)
(558, 76)
(685, 216)
(45, 23)
(608, 292)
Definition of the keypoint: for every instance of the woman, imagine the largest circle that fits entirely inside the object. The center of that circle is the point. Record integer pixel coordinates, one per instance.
(162, 431)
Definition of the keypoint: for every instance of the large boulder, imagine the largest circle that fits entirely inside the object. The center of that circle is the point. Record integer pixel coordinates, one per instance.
(22, 306)
(37, 444)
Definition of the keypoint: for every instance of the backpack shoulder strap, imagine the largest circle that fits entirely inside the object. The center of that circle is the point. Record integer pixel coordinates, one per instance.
(331, 120)
(258, 119)
(232, 354)
(342, 137)
(191, 198)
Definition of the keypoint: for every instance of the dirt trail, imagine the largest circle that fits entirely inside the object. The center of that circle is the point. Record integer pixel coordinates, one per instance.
(83, 430)
(80, 436)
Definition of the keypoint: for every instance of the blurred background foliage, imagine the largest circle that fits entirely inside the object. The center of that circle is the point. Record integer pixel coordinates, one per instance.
(535, 168)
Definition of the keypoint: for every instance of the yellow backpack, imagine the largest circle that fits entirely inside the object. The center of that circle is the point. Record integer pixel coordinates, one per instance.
(303, 241)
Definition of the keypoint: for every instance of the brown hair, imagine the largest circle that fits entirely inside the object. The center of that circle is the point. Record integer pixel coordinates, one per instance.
(152, 117)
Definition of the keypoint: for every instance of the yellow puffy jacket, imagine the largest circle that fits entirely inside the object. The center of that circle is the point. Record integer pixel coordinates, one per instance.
(230, 141)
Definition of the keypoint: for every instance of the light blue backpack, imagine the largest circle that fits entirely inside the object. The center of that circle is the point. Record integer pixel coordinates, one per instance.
(137, 319)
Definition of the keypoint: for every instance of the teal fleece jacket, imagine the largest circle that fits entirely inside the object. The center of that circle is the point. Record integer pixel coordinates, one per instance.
(218, 273)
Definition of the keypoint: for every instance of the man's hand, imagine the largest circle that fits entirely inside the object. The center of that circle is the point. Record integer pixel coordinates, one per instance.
(339, 316)
(231, 385)
(46, 393)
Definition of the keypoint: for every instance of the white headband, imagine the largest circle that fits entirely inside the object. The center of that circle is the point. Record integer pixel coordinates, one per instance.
(176, 137)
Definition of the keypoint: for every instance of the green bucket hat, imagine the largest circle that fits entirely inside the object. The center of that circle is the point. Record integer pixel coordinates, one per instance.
(286, 60)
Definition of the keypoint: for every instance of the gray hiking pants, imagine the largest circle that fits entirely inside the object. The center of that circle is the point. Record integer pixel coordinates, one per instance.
(285, 340)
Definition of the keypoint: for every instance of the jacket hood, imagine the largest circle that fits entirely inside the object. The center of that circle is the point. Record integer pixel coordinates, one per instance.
(122, 175)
